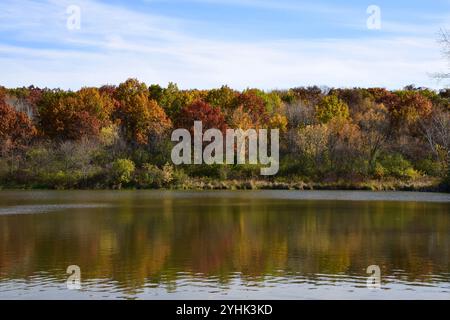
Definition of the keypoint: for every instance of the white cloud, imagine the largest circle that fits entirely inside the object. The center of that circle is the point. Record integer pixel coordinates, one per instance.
(293, 5)
(115, 43)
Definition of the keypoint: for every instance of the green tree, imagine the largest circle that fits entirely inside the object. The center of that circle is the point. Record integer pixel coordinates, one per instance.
(331, 107)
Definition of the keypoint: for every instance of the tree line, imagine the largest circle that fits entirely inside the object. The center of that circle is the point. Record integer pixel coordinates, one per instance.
(119, 136)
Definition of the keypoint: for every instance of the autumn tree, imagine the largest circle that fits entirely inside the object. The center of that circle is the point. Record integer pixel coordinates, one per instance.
(172, 99)
(155, 92)
(240, 119)
(223, 98)
(405, 107)
(355, 98)
(311, 144)
(73, 115)
(409, 107)
(272, 102)
(278, 121)
(140, 117)
(331, 107)
(108, 90)
(373, 121)
(212, 118)
(16, 132)
(344, 146)
(254, 105)
(309, 95)
(16, 129)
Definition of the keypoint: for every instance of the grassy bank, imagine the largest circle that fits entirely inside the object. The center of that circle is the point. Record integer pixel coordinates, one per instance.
(422, 185)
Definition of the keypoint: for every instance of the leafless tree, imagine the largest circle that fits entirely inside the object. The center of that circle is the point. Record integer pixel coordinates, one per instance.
(444, 40)
(299, 114)
(436, 130)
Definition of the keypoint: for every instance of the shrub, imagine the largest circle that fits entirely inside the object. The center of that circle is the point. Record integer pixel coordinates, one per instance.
(179, 177)
(379, 171)
(153, 177)
(122, 171)
(167, 173)
(396, 166)
(430, 167)
(62, 179)
(150, 176)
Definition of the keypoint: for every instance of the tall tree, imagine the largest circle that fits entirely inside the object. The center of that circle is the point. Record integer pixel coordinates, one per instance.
(140, 117)
(16, 129)
(255, 106)
(212, 118)
(331, 107)
(73, 115)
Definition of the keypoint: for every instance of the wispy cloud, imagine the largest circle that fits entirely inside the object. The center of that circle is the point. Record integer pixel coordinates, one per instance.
(116, 42)
(303, 6)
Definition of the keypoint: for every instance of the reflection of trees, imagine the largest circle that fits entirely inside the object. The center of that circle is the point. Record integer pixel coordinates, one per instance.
(152, 240)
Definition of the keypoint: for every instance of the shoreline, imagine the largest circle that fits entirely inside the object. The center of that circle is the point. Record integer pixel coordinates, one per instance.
(427, 185)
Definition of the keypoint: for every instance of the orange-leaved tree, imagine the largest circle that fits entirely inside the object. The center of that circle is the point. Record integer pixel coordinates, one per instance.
(16, 129)
(140, 116)
(73, 115)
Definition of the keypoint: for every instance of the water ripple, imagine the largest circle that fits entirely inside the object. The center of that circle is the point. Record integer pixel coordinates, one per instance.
(34, 209)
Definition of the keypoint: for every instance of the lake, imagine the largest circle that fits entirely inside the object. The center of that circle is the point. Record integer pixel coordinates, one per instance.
(224, 244)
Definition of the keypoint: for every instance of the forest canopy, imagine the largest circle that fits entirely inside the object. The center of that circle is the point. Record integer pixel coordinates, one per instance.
(119, 136)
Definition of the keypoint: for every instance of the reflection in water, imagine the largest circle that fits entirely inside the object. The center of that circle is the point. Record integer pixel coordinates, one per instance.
(151, 244)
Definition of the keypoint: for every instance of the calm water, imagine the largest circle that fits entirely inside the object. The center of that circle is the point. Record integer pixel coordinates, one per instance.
(226, 245)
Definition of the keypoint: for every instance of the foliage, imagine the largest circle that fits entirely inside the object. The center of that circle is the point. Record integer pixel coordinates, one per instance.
(121, 171)
(118, 136)
(252, 103)
(395, 165)
(201, 111)
(409, 106)
(73, 115)
(223, 98)
(331, 107)
(16, 129)
(139, 116)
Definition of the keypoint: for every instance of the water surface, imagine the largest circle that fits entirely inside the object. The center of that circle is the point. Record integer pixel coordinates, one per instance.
(223, 244)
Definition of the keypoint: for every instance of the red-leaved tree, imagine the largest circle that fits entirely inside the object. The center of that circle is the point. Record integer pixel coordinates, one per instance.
(212, 118)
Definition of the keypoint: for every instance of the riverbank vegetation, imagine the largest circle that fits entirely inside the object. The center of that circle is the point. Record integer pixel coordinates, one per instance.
(119, 137)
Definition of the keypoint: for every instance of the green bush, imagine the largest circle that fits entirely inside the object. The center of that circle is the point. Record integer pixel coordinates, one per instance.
(296, 166)
(122, 171)
(205, 170)
(180, 178)
(430, 167)
(62, 180)
(379, 171)
(398, 167)
(246, 171)
(150, 176)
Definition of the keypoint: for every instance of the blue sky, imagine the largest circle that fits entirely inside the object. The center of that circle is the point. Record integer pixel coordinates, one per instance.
(206, 43)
